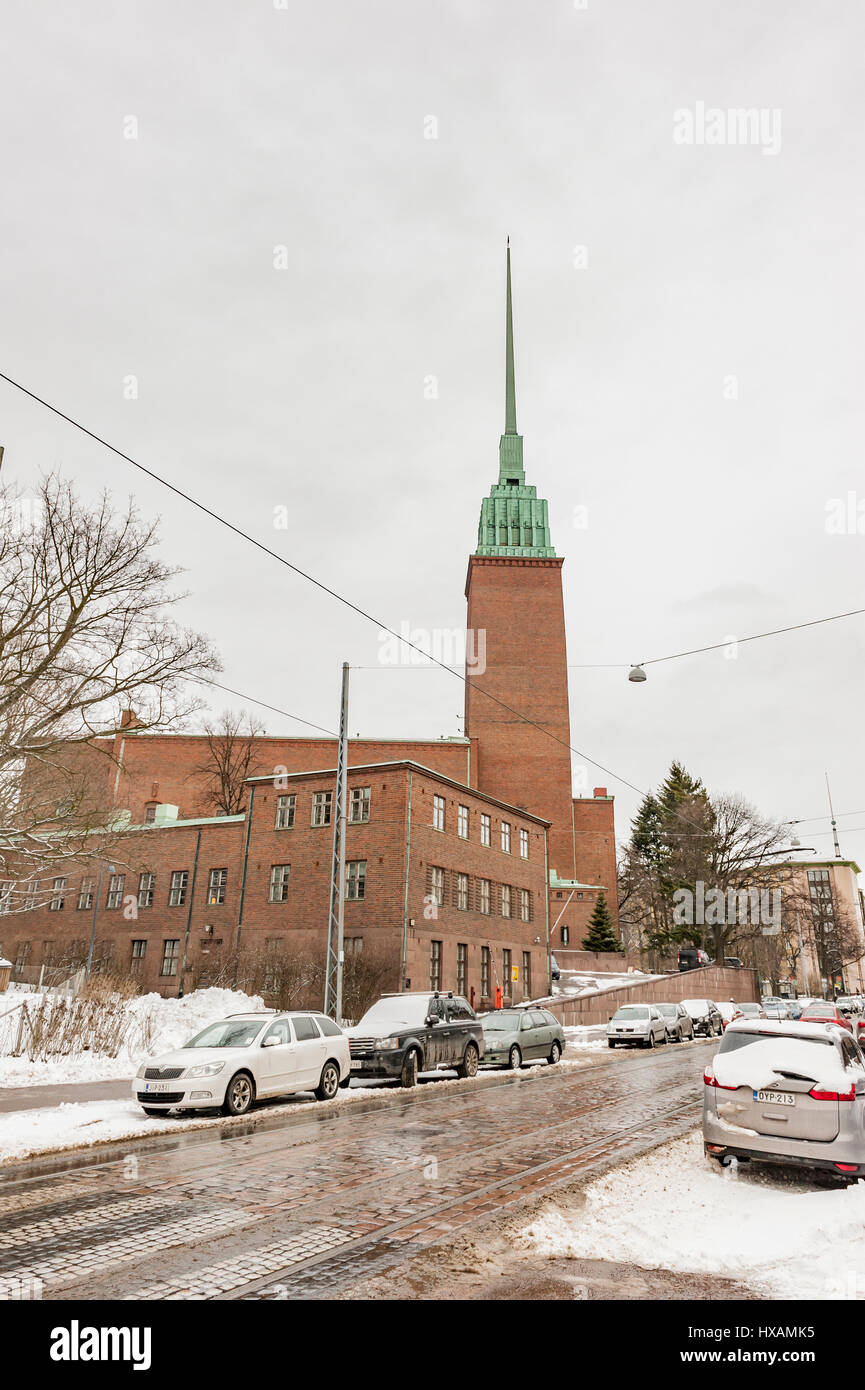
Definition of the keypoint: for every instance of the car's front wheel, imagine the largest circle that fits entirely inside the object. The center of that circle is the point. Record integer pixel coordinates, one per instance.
(650, 1040)
(408, 1075)
(239, 1095)
(515, 1058)
(469, 1065)
(610, 1042)
(329, 1082)
(555, 1052)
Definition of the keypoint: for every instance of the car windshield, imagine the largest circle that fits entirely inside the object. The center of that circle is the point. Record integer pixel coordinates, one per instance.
(501, 1022)
(696, 1007)
(749, 1009)
(632, 1011)
(231, 1032)
(407, 1010)
(666, 1009)
(821, 1010)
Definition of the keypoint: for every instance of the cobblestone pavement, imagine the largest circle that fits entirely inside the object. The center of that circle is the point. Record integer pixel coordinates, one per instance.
(309, 1209)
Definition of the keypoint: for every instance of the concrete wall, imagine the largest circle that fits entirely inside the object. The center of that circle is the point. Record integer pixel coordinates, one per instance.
(710, 982)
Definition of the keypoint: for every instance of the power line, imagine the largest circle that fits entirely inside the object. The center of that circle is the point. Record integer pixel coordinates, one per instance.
(253, 701)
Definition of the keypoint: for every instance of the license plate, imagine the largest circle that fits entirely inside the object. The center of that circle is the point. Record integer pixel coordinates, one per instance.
(775, 1097)
(155, 1088)
(356, 1066)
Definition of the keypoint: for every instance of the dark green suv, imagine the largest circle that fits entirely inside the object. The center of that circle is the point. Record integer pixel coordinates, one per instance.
(403, 1034)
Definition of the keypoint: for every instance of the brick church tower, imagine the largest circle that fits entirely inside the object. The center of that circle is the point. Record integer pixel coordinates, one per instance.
(514, 593)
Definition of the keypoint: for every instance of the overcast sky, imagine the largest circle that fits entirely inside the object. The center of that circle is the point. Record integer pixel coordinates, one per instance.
(693, 377)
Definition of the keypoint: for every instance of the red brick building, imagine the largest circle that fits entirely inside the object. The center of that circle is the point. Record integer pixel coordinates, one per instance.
(460, 904)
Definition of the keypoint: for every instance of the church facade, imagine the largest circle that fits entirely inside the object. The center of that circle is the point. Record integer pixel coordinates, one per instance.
(469, 860)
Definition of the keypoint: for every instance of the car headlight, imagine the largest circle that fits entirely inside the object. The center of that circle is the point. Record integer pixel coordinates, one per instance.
(205, 1069)
(386, 1044)
(139, 1075)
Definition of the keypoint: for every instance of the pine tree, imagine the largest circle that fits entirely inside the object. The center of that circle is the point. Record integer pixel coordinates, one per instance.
(601, 936)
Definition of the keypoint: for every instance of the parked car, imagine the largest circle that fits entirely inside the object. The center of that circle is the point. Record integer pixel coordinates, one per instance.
(848, 1004)
(404, 1034)
(824, 1011)
(795, 1008)
(243, 1058)
(751, 1010)
(554, 968)
(514, 1036)
(690, 957)
(678, 1022)
(733, 963)
(707, 1021)
(729, 1013)
(790, 1093)
(636, 1025)
(778, 1009)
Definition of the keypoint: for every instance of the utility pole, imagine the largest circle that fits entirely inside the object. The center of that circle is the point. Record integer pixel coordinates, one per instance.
(832, 816)
(333, 982)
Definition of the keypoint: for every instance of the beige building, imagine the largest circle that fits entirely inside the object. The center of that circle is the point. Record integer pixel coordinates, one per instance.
(823, 927)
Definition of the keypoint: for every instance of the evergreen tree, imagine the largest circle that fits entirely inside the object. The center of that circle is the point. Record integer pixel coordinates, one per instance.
(601, 936)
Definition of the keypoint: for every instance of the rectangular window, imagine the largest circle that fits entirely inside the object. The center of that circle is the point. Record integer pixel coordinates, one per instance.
(462, 963)
(506, 900)
(463, 892)
(170, 956)
(438, 813)
(355, 880)
(139, 951)
(58, 889)
(524, 844)
(115, 890)
(31, 893)
(146, 889)
(21, 956)
(358, 805)
(279, 876)
(85, 894)
(435, 965)
(486, 829)
(507, 988)
(527, 974)
(321, 805)
(179, 881)
(216, 887)
(485, 972)
(483, 895)
(150, 813)
(463, 822)
(506, 836)
(525, 905)
(353, 945)
(437, 886)
(6, 894)
(285, 806)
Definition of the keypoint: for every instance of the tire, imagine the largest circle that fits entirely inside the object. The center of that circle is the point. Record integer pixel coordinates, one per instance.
(610, 1043)
(650, 1040)
(665, 1039)
(149, 1110)
(515, 1058)
(408, 1075)
(555, 1052)
(468, 1067)
(329, 1083)
(239, 1094)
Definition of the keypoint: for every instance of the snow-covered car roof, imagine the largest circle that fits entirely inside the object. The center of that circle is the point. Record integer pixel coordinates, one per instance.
(786, 1028)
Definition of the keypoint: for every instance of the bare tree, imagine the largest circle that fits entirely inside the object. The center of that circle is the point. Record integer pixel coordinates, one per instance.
(85, 633)
(232, 756)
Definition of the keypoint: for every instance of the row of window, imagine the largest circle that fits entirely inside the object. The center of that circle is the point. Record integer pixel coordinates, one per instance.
(486, 827)
(488, 970)
(481, 894)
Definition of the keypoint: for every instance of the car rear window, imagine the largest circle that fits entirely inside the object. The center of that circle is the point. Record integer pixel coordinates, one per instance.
(734, 1039)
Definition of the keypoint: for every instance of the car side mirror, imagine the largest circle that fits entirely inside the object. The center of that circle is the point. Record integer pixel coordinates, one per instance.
(430, 1020)
(272, 1041)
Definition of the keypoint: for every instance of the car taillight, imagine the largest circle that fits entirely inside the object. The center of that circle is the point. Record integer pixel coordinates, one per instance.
(711, 1080)
(846, 1167)
(817, 1094)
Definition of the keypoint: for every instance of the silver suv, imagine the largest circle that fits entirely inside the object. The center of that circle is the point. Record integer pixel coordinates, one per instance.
(789, 1093)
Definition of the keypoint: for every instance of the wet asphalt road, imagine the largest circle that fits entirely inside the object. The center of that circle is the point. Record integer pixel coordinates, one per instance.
(308, 1204)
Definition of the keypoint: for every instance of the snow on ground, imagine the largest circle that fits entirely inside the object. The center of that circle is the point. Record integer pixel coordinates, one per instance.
(585, 982)
(586, 1037)
(675, 1209)
(167, 1023)
(76, 1125)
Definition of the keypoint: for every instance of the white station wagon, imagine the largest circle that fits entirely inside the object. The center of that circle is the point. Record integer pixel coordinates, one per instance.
(247, 1057)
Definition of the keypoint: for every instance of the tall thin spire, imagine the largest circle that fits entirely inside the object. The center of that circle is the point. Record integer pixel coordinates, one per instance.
(510, 390)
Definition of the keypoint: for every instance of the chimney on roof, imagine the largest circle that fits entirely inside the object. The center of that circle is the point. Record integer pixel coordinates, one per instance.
(129, 719)
(599, 791)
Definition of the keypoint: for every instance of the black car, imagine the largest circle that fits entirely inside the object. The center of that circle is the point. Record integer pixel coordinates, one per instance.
(691, 958)
(403, 1034)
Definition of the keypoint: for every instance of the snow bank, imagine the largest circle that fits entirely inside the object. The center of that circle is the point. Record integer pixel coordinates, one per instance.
(677, 1210)
(155, 1025)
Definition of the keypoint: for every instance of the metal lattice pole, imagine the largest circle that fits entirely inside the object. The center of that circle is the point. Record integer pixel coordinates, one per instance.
(333, 983)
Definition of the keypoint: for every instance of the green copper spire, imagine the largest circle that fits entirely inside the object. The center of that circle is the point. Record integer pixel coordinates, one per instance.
(514, 519)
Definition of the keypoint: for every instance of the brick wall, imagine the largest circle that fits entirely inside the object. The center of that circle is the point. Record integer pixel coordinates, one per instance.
(710, 982)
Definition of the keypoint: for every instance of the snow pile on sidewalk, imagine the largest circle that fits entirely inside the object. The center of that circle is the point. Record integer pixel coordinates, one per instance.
(155, 1025)
(586, 1037)
(677, 1210)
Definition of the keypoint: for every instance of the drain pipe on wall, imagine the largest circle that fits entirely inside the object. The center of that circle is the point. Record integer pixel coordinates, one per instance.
(405, 891)
(243, 883)
(189, 913)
